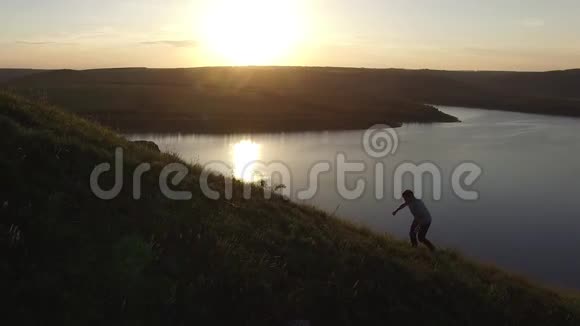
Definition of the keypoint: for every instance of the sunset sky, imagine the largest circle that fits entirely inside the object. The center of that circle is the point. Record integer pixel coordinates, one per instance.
(438, 34)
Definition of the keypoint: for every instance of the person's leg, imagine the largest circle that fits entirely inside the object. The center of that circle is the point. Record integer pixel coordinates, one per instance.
(422, 236)
(413, 233)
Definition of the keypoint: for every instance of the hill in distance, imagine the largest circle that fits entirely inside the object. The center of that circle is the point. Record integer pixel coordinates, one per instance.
(246, 99)
(9, 74)
(69, 258)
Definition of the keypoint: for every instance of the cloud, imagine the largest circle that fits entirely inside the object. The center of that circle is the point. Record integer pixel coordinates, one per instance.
(533, 22)
(43, 43)
(175, 43)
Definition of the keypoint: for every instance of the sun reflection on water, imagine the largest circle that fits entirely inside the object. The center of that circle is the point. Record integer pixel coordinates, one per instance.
(244, 154)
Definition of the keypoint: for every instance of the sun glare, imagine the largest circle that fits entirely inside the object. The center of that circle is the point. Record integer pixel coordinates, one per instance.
(245, 154)
(251, 32)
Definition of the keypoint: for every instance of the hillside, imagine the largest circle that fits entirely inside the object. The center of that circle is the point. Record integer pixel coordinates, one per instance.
(244, 99)
(551, 92)
(221, 100)
(10, 74)
(70, 258)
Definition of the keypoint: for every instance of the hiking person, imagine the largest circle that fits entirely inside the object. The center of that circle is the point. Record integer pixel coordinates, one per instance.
(422, 219)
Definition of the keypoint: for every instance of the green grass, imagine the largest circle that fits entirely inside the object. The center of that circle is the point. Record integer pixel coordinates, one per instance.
(70, 258)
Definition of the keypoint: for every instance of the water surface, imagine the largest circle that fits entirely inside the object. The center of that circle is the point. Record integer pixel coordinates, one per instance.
(526, 220)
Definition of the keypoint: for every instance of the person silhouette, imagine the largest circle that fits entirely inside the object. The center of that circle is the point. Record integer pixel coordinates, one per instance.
(421, 221)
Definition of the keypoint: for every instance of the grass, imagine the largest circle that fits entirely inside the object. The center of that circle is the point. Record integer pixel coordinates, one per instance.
(70, 258)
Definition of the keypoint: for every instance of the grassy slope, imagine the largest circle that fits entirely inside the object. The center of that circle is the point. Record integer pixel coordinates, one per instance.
(71, 258)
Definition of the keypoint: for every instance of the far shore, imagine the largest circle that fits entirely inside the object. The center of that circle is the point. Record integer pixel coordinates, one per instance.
(283, 99)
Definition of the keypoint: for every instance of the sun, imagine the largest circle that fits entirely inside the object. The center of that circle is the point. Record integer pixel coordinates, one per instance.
(251, 32)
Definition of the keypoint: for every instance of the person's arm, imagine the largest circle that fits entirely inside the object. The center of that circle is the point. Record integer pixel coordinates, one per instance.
(398, 209)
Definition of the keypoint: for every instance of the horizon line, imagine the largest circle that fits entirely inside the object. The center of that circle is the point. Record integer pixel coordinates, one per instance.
(289, 66)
